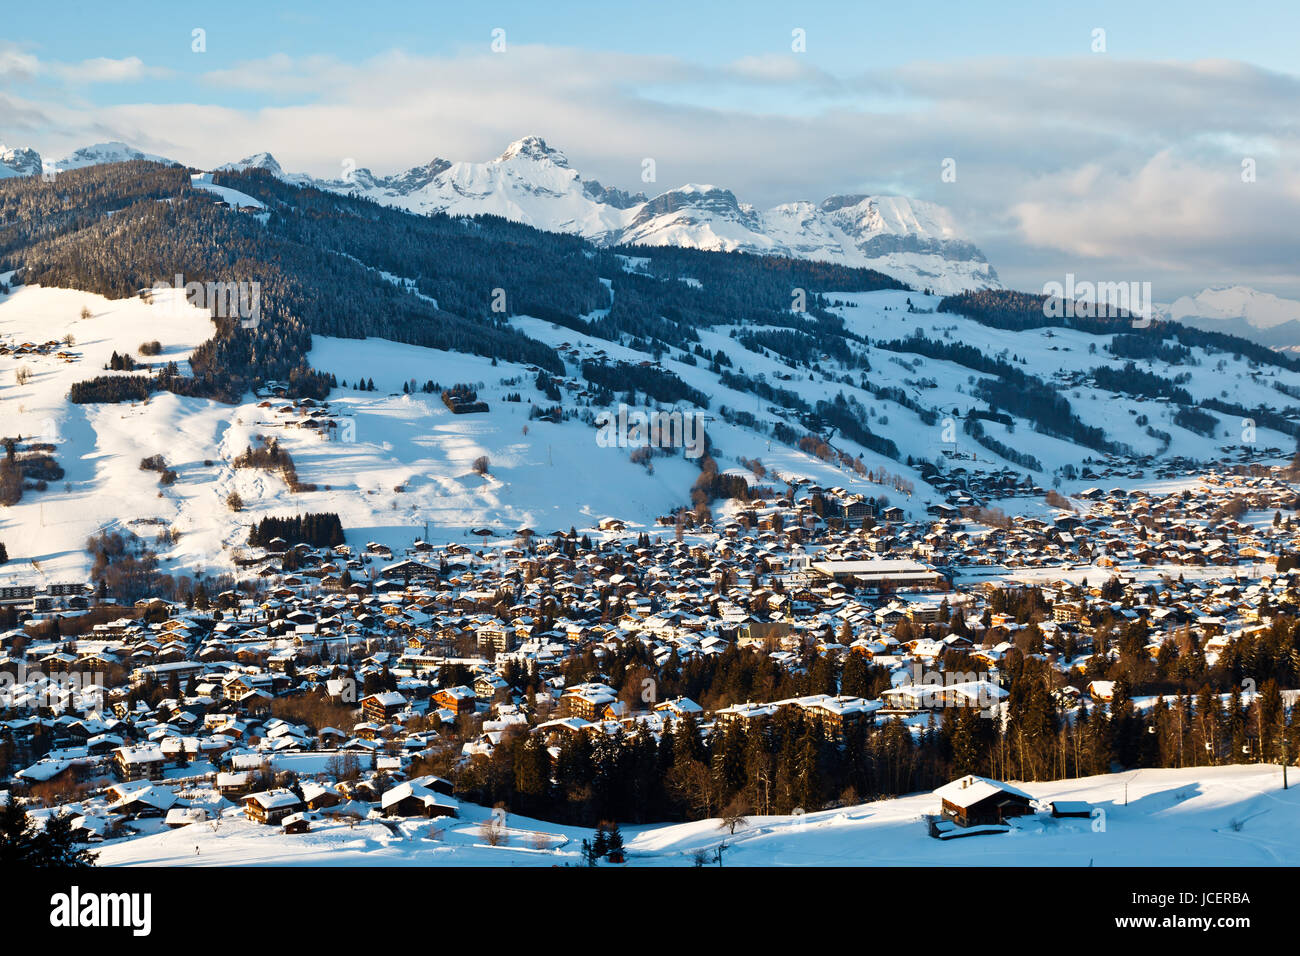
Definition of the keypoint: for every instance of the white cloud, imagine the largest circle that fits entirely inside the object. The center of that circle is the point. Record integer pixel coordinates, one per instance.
(1074, 163)
(17, 65)
(104, 69)
(1169, 214)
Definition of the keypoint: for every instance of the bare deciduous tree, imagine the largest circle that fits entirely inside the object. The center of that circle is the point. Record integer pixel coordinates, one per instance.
(734, 815)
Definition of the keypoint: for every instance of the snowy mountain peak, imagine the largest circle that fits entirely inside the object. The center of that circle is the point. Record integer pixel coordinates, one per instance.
(18, 161)
(256, 161)
(891, 215)
(695, 205)
(611, 196)
(1240, 310)
(1260, 309)
(417, 177)
(100, 153)
(534, 148)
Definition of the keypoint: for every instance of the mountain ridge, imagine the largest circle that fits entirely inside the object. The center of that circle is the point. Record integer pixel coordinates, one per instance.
(534, 183)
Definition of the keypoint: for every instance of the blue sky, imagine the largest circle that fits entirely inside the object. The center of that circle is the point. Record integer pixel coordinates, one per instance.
(1069, 160)
(842, 36)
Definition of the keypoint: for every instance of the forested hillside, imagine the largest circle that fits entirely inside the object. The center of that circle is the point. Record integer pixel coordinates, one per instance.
(348, 267)
(117, 229)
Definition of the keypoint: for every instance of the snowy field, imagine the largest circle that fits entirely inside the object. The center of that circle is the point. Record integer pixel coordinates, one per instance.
(1222, 816)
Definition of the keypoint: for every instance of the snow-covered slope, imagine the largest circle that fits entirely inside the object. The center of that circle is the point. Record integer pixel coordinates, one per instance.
(1206, 816)
(410, 464)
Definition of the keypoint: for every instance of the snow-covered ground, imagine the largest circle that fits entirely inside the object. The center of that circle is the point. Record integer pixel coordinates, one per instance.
(409, 472)
(232, 196)
(1219, 816)
(542, 475)
(100, 446)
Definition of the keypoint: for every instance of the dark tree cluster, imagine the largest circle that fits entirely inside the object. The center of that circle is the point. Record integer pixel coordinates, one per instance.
(654, 382)
(111, 389)
(320, 530)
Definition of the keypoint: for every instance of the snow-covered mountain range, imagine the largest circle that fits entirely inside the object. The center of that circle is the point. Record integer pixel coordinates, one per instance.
(533, 183)
(1240, 310)
(19, 161)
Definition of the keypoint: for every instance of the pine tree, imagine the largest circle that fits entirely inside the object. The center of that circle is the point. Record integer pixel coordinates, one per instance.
(16, 835)
(728, 765)
(855, 680)
(614, 843)
(532, 769)
(54, 846)
(962, 726)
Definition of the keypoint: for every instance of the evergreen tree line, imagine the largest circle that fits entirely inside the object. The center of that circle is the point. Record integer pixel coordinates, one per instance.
(1012, 389)
(1149, 348)
(1017, 311)
(791, 761)
(111, 389)
(53, 846)
(850, 417)
(320, 530)
(1137, 381)
(657, 383)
